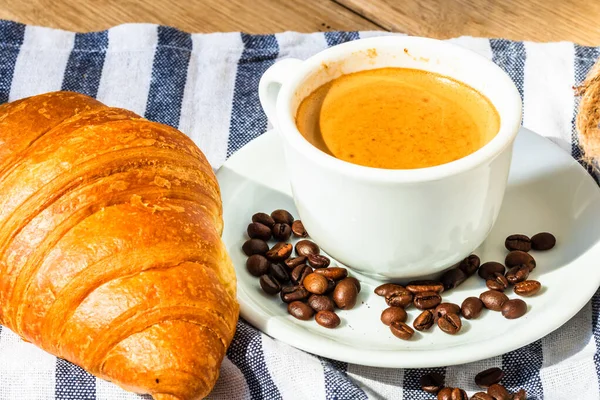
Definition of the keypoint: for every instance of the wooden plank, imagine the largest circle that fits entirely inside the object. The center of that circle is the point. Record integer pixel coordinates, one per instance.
(256, 16)
(536, 20)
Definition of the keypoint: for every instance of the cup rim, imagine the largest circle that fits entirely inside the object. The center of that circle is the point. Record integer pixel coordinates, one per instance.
(509, 127)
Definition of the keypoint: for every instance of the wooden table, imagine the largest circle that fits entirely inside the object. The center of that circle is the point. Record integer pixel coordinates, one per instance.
(537, 20)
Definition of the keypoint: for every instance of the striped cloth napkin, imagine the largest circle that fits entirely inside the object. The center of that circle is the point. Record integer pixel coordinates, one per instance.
(206, 85)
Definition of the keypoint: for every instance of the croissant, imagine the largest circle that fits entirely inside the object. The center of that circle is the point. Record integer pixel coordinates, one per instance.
(110, 245)
(588, 116)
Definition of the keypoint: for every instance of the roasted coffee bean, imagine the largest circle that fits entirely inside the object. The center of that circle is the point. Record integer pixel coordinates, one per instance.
(427, 300)
(317, 261)
(470, 265)
(450, 323)
(345, 294)
(514, 308)
(518, 242)
(255, 246)
(424, 321)
(471, 307)
(320, 303)
(279, 252)
(256, 230)
(356, 282)
(446, 308)
(399, 298)
(327, 319)
(527, 288)
(391, 314)
(517, 257)
(300, 310)
(293, 293)
(425, 286)
(315, 283)
(520, 395)
(452, 278)
(263, 218)
(387, 289)
(298, 229)
(459, 394)
(305, 247)
(282, 217)
(498, 282)
(487, 378)
(517, 274)
(335, 273)
(293, 262)
(331, 284)
(300, 272)
(432, 382)
(269, 284)
(543, 241)
(401, 330)
(281, 232)
(481, 396)
(499, 392)
(488, 269)
(445, 394)
(279, 272)
(257, 265)
(493, 300)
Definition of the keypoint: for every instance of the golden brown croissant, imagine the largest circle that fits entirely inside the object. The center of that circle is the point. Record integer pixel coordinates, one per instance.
(111, 255)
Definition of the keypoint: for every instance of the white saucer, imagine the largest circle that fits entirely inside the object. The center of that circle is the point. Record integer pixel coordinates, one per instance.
(547, 191)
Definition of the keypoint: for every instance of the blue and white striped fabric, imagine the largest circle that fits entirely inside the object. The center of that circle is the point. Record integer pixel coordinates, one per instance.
(206, 85)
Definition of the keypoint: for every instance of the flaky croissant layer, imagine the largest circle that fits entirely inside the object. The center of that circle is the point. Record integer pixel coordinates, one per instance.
(110, 245)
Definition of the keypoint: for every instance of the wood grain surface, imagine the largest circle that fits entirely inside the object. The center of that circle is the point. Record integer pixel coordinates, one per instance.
(252, 16)
(537, 20)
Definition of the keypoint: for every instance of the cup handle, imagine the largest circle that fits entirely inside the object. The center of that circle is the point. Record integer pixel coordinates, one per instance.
(270, 84)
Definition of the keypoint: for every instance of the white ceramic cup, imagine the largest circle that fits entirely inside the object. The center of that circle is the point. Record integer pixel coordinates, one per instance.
(394, 224)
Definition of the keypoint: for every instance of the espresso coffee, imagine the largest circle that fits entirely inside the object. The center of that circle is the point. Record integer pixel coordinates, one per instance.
(397, 118)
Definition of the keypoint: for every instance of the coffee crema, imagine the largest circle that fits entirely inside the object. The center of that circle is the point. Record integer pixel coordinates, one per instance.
(397, 118)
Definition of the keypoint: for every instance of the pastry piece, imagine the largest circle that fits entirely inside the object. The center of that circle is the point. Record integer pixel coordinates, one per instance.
(588, 116)
(110, 245)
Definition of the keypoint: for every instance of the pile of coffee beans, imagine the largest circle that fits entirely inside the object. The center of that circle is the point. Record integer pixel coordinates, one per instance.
(306, 282)
(489, 380)
(426, 295)
(309, 284)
